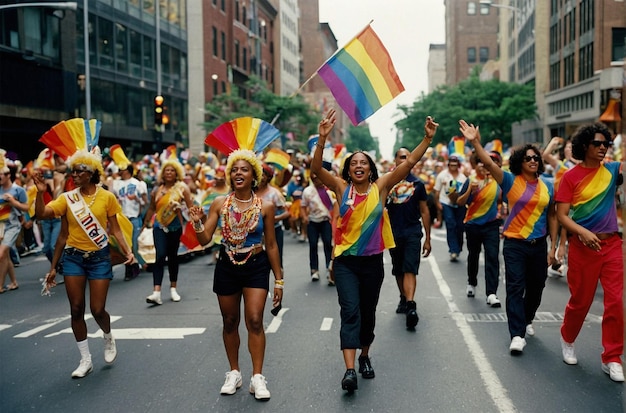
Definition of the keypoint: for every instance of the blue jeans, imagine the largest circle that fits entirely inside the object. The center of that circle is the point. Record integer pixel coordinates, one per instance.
(315, 230)
(453, 217)
(358, 280)
(137, 223)
(489, 236)
(166, 248)
(51, 229)
(526, 266)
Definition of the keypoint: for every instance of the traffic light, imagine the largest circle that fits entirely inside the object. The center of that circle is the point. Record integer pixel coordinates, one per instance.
(158, 110)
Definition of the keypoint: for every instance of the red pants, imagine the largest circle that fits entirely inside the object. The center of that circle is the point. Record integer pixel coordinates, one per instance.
(586, 267)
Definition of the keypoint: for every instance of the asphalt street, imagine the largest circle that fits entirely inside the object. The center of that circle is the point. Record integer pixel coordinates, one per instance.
(171, 357)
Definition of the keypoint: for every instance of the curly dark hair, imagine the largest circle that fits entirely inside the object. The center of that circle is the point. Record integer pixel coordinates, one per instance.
(95, 177)
(517, 159)
(585, 134)
(345, 172)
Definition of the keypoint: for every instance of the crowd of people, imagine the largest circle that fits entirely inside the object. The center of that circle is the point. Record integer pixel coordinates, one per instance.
(555, 209)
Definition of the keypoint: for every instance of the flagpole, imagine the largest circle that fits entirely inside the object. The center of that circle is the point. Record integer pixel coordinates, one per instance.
(333, 55)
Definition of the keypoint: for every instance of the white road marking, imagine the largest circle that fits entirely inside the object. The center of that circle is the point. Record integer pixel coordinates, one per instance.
(151, 333)
(276, 322)
(495, 389)
(327, 322)
(36, 330)
(5, 326)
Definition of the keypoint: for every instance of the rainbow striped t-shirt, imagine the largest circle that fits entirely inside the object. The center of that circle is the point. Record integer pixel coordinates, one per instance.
(482, 207)
(591, 194)
(528, 206)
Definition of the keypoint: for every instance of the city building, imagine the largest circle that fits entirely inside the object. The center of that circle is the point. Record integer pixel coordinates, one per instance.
(45, 77)
(471, 37)
(436, 66)
(287, 50)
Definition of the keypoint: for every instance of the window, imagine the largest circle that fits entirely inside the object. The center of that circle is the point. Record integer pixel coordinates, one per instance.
(9, 35)
(105, 43)
(618, 50)
(568, 66)
(585, 66)
(471, 8)
(236, 10)
(245, 58)
(135, 53)
(121, 48)
(223, 5)
(237, 60)
(484, 9)
(471, 55)
(215, 48)
(223, 46)
(484, 54)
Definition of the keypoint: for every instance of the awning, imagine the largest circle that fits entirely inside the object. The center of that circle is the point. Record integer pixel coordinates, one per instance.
(611, 114)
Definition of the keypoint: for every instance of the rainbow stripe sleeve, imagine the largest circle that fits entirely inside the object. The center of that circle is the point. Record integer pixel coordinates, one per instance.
(528, 206)
(361, 76)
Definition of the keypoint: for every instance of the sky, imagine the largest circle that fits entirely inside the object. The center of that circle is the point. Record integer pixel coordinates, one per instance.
(406, 28)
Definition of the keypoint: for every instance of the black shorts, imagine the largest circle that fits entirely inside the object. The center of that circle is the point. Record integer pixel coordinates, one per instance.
(405, 258)
(231, 278)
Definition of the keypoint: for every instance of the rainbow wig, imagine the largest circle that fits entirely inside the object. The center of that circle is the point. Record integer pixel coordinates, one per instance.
(248, 156)
(180, 172)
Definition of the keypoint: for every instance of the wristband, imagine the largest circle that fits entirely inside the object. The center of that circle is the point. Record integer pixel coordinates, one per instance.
(279, 286)
(199, 228)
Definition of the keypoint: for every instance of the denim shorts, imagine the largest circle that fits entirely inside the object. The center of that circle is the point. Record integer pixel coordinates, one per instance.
(96, 265)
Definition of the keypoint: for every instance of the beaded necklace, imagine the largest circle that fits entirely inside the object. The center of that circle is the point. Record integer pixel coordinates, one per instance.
(236, 224)
(92, 197)
(352, 195)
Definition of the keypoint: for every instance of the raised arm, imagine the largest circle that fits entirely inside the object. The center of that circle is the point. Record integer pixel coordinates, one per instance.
(472, 134)
(547, 156)
(387, 181)
(332, 182)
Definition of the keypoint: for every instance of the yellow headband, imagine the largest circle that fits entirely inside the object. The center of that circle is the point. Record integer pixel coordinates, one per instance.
(248, 156)
(87, 160)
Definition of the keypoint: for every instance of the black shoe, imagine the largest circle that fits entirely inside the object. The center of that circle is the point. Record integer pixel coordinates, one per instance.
(349, 381)
(365, 367)
(411, 315)
(401, 309)
(128, 273)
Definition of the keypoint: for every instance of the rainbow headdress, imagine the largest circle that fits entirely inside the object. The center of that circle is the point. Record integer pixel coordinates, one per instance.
(4, 168)
(456, 148)
(76, 141)
(243, 138)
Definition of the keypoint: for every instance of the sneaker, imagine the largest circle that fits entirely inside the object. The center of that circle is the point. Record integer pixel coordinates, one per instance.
(331, 282)
(365, 368)
(517, 345)
(258, 387)
(302, 238)
(154, 298)
(471, 291)
(614, 370)
(110, 349)
(454, 257)
(411, 315)
(493, 301)
(174, 295)
(401, 308)
(315, 276)
(530, 330)
(349, 381)
(84, 368)
(232, 383)
(569, 355)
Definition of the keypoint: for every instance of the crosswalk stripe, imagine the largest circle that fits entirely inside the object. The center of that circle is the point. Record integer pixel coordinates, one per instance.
(327, 322)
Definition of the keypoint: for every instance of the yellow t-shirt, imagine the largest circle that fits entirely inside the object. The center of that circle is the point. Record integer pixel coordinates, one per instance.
(104, 206)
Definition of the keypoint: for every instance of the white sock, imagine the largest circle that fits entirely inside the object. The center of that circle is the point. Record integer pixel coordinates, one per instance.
(157, 293)
(108, 335)
(83, 347)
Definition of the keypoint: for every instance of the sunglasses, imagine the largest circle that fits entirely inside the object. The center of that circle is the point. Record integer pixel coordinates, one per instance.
(606, 144)
(6, 173)
(402, 156)
(77, 171)
(535, 158)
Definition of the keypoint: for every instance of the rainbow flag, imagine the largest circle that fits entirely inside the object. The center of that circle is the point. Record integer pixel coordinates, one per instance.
(361, 76)
(277, 158)
(456, 147)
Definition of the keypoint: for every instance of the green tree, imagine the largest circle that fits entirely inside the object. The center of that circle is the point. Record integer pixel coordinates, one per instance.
(290, 114)
(492, 104)
(360, 138)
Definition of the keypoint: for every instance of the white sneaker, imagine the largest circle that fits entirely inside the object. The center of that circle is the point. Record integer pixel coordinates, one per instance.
(517, 345)
(454, 257)
(232, 383)
(315, 276)
(530, 330)
(84, 368)
(110, 350)
(154, 298)
(471, 291)
(569, 355)
(258, 387)
(614, 370)
(493, 301)
(174, 295)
